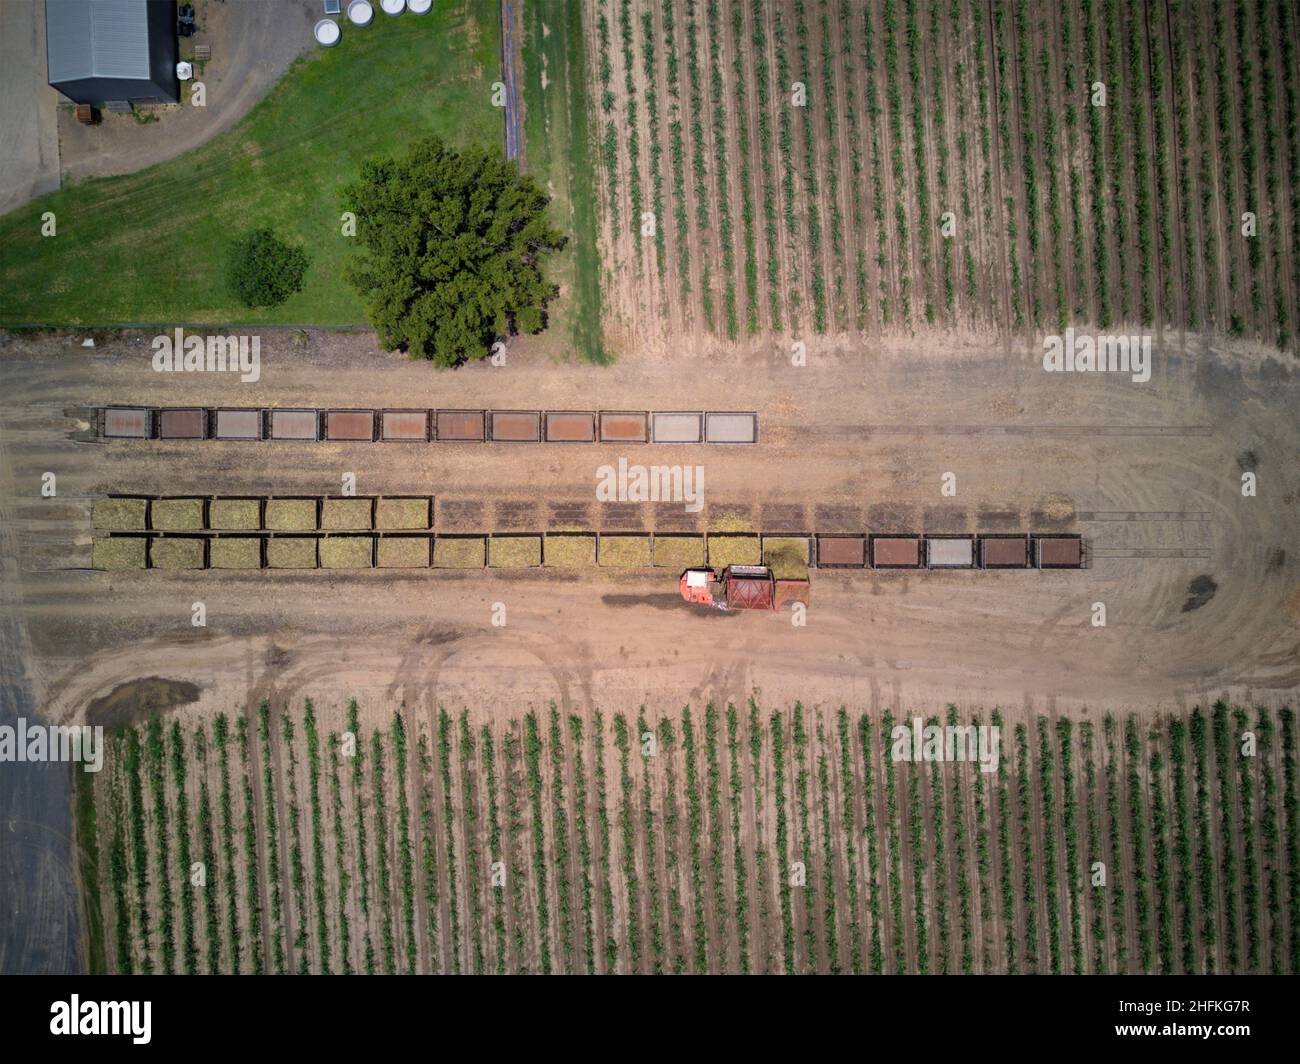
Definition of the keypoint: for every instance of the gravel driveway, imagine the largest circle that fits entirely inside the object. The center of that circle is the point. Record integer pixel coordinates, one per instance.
(29, 163)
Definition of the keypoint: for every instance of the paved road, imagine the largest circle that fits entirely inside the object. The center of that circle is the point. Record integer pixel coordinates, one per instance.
(29, 163)
(38, 902)
(39, 921)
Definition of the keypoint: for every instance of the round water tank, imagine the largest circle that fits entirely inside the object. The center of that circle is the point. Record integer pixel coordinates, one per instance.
(419, 7)
(327, 32)
(184, 71)
(360, 12)
(393, 7)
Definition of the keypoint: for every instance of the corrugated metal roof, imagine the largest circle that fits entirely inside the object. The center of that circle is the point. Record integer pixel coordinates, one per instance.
(97, 38)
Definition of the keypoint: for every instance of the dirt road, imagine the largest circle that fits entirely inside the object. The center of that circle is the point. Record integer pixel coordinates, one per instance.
(853, 440)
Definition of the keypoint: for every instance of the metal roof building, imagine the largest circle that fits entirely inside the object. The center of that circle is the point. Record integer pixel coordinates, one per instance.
(102, 51)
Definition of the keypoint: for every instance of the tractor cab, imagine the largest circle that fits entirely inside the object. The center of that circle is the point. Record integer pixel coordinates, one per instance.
(697, 586)
(737, 587)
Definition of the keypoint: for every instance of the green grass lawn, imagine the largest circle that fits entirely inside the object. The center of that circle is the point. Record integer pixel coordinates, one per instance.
(557, 132)
(150, 248)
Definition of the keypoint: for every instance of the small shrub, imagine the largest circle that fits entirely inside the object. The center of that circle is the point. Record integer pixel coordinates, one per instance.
(264, 271)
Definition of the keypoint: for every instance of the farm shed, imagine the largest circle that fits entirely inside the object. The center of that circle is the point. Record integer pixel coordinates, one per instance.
(102, 51)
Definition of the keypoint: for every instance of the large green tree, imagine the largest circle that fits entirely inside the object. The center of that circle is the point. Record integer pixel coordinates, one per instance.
(455, 244)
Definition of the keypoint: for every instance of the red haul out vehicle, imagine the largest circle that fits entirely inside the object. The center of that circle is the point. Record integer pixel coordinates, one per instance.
(742, 587)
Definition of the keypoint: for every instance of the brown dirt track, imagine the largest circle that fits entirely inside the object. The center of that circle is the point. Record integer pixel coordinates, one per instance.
(839, 449)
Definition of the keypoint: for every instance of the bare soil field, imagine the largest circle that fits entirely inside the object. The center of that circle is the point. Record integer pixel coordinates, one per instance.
(1150, 474)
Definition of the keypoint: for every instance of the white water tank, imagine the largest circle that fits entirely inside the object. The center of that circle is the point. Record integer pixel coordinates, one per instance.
(360, 12)
(327, 32)
(419, 7)
(393, 7)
